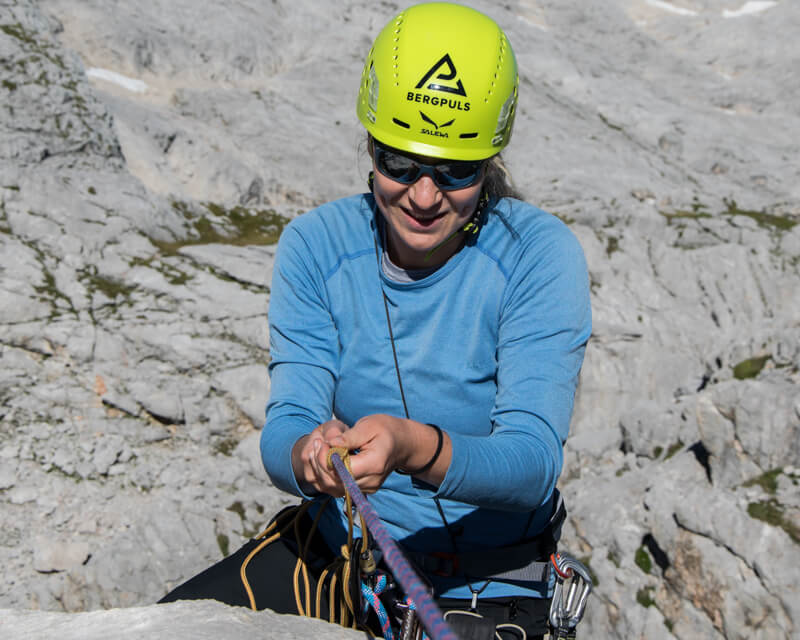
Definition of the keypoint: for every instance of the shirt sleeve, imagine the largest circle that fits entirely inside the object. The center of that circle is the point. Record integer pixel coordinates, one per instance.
(304, 350)
(543, 329)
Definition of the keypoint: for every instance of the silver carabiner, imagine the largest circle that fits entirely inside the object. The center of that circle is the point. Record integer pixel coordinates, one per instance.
(568, 604)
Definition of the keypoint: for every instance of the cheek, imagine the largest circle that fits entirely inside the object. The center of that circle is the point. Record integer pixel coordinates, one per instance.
(466, 200)
(387, 190)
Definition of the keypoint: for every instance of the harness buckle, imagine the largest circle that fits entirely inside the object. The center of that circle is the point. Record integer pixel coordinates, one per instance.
(572, 588)
(447, 564)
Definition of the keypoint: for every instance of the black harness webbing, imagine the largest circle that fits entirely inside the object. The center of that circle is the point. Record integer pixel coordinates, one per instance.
(528, 561)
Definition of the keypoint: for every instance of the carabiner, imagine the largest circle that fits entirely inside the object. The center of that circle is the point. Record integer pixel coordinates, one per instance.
(568, 605)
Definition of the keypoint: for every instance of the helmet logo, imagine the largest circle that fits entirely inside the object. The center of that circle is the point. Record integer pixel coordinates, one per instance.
(435, 131)
(438, 126)
(448, 74)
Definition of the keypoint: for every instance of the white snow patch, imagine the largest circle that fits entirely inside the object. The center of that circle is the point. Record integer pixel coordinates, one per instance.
(131, 84)
(749, 8)
(666, 6)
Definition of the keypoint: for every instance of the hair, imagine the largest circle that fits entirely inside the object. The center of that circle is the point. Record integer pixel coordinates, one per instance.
(498, 183)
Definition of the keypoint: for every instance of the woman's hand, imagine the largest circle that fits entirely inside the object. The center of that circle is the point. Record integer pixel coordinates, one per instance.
(310, 460)
(385, 443)
(381, 442)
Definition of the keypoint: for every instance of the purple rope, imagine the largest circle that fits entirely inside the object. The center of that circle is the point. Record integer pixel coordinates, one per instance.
(427, 610)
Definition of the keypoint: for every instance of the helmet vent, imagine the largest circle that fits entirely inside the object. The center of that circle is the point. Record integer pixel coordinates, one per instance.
(398, 27)
(500, 59)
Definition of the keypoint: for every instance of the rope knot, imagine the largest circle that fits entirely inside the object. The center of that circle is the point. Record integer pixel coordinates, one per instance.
(344, 454)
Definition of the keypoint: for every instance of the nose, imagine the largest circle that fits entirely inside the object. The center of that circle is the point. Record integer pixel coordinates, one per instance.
(424, 194)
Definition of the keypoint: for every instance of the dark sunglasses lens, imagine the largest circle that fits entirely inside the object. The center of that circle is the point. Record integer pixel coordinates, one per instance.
(395, 166)
(457, 175)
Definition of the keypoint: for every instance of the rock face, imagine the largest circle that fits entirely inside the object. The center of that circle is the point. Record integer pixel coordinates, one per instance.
(150, 154)
(196, 620)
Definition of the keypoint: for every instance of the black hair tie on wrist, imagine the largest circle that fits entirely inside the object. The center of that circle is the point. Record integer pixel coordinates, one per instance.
(431, 462)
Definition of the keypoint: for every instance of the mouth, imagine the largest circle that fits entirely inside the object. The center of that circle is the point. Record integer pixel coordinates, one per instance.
(423, 221)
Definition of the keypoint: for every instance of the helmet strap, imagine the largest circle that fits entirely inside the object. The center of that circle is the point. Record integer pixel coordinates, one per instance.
(474, 222)
(473, 226)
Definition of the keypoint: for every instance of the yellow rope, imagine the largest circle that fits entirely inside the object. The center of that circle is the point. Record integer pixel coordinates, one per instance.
(301, 564)
(320, 584)
(338, 573)
(297, 513)
(344, 454)
(332, 599)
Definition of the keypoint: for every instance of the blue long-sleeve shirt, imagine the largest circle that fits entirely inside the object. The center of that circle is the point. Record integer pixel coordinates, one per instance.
(489, 348)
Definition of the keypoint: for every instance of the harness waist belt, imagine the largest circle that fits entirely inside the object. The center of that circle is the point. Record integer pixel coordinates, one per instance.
(527, 561)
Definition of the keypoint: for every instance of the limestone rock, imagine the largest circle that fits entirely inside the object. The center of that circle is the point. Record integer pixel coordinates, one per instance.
(198, 620)
(54, 555)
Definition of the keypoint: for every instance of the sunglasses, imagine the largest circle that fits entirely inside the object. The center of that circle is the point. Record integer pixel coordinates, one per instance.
(447, 175)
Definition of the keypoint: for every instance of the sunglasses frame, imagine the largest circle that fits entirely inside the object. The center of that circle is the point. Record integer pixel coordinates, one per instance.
(380, 150)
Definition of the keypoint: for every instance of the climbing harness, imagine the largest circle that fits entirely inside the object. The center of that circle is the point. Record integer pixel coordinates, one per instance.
(471, 625)
(510, 563)
(573, 585)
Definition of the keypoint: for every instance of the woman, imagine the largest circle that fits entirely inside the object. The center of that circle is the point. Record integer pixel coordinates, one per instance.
(435, 327)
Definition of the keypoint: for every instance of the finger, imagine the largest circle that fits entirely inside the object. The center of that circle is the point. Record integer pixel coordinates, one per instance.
(370, 483)
(310, 460)
(327, 477)
(348, 439)
(369, 471)
(332, 428)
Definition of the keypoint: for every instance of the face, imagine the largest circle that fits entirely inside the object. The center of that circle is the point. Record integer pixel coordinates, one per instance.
(421, 217)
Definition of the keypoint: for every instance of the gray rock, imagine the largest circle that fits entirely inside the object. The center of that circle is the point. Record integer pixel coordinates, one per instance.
(7, 479)
(58, 555)
(199, 620)
(248, 265)
(249, 387)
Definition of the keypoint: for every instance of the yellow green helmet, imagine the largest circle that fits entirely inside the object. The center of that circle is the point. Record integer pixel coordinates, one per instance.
(440, 81)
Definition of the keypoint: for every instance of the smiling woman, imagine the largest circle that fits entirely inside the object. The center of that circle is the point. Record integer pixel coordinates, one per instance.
(435, 328)
(424, 205)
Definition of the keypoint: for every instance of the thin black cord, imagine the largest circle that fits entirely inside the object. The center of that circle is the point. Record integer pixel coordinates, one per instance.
(391, 335)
